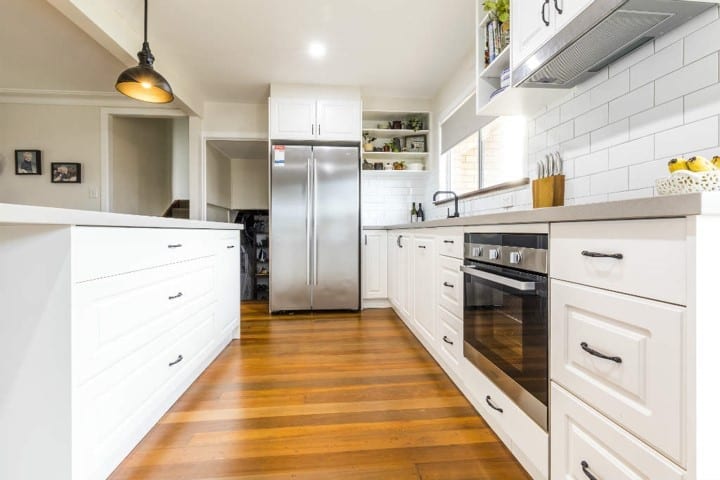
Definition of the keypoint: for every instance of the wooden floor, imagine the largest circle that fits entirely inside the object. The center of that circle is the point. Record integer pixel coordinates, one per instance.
(321, 397)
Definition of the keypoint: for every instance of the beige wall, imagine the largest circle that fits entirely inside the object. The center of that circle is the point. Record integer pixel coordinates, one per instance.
(63, 134)
(236, 119)
(141, 165)
(249, 184)
(217, 176)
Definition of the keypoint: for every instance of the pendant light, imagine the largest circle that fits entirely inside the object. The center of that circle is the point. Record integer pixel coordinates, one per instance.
(143, 82)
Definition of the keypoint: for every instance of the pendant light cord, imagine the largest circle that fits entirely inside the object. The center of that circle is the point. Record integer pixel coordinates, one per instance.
(146, 2)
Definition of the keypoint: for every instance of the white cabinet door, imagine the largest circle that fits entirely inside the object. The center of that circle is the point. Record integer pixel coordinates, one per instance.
(532, 25)
(292, 119)
(403, 282)
(374, 264)
(392, 267)
(566, 10)
(228, 285)
(423, 280)
(339, 120)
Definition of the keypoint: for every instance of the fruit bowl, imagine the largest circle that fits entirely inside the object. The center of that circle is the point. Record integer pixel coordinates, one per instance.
(685, 181)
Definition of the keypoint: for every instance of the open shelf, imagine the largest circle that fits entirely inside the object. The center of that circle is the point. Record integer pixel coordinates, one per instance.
(386, 173)
(395, 155)
(394, 132)
(496, 67)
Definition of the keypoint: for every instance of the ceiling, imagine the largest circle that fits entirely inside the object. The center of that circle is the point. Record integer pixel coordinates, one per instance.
(243, 149)
(233, 49)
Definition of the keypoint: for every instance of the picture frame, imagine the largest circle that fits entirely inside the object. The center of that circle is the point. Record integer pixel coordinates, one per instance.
(28, 162)
(65, 172)
(416, 143)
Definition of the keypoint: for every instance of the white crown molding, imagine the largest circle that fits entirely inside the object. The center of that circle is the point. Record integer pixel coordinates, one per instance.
(69, 97)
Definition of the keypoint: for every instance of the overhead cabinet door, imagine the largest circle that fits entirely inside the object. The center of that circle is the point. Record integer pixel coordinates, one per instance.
(338, 120)
(292, 118)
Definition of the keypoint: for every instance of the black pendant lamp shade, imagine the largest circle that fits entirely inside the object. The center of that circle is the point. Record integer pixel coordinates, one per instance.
(143, 82)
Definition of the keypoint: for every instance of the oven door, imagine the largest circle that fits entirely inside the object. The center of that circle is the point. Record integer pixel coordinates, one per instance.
(505, 330)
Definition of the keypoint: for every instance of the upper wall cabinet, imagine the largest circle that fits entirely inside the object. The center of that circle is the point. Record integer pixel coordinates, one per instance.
(313, 119)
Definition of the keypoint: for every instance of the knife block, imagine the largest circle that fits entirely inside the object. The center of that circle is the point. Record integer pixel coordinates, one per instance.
(549, 191)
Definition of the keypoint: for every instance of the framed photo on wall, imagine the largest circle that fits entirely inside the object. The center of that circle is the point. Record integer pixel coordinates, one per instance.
(416, 143)
(28, 162)
(65, 172)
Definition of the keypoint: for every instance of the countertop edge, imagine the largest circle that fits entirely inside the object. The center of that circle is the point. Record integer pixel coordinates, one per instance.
(11, 214)
(642, 208)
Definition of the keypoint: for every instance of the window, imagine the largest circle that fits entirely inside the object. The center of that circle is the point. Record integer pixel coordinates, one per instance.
(478, 154)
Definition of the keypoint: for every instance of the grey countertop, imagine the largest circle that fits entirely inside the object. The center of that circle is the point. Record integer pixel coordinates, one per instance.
(11, 214)
(655, 207)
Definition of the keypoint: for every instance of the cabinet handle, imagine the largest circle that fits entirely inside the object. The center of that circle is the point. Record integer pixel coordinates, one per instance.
(175, 245)
(230, 246)
(488, 400)
(586, 253)
(176, 361)
(449, 285)
(175, 296)
(586, 470)
(319, 129)
(557, 8)
(365, 239)
(422, 246)
(399, 241)
(546, 3)
(448, 241)
(447, 340)
(312, 129)
(595, 353)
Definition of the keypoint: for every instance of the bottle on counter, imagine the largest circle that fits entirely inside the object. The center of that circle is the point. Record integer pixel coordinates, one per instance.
(413, 214)
(420, 213)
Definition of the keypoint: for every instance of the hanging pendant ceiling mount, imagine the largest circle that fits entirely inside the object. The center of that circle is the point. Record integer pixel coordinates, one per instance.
(143, 82)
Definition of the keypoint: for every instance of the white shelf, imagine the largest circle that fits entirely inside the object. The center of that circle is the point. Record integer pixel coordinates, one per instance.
(387, 173)
(496, 67)
(520, 101)
(395, 155)
(394, 132)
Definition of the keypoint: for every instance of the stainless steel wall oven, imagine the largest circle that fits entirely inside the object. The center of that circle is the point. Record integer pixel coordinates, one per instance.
(505, 320)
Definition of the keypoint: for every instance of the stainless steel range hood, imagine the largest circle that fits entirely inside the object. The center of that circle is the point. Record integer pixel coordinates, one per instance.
(605, 31)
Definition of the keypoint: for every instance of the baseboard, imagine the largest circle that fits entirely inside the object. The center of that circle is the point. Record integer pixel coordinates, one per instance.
(376, 303)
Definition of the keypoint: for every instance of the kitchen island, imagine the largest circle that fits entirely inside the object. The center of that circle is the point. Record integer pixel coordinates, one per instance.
(632, 331)
(107, 319)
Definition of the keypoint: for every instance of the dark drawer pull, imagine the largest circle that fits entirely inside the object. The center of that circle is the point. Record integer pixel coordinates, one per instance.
(557, 8)
(447, 340)
(422, 246)
(488, 400)
(449, 285)
(230, 246)
(586, 470)
(448, 241)
(595, 353)
(585, 253)
(399, 241)
(175, 362)
(175, 296)
(175, 245)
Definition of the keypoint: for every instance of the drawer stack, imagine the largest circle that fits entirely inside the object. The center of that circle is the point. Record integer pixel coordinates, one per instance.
(450, 296)
(618, 359)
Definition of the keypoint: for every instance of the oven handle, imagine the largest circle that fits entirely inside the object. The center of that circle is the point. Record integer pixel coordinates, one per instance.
(508, 282)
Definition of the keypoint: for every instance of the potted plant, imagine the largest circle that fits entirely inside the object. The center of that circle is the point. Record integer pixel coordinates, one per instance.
(499, 11)
(368, 142)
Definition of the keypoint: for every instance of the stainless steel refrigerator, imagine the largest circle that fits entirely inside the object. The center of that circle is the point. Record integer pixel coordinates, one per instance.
(314, 228)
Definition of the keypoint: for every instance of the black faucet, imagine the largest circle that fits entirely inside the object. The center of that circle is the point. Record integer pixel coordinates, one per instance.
(448, 192)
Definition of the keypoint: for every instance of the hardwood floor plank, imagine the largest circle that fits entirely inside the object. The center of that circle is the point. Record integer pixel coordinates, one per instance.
(321, 396)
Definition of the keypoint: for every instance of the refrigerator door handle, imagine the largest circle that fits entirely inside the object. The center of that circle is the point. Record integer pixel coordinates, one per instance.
(308, 224)
(315, 236)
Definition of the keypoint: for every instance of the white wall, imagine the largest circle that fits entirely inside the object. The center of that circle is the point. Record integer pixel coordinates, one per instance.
(180, 159)
(63, 133)
(235, 120)
(141, 165)
(218, 178)
(250, 184)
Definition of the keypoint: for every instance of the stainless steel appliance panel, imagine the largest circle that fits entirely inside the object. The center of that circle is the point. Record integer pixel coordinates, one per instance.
(291, 229)
(336, 255)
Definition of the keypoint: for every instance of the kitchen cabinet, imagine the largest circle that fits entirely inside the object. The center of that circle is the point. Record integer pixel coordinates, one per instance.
(399, 280)
(423, 284)
(374, 265)
(314, 119)
(112, 333)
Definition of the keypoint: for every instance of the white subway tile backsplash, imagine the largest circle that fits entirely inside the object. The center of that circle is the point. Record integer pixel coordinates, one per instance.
(662, 117)
(631, 194)
(575, 107)
(688, 138)
(576, 147)
(613, 134)
(609, 181)
(702, 42)
(645, 174)
(688, 79)
(703, 103)
(591, 120)
(593, 163)
(624, 63)
(547, 121)
(577, 187)
(634, 102)
(689, 27)
(610, 89)
(537, 143)
(592, 82)
(631, 153)
(591, 199)
(660, 64)
(561, 133)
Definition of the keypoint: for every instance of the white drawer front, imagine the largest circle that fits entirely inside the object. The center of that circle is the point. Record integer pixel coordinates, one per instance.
(584, 438)
(450, 337)
(450, 243)
(450, 287)
(641, 388)
(114, 317)
(653, 262)
(99, 252)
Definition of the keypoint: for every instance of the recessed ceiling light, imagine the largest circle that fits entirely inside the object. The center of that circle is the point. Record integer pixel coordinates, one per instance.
(317, 50)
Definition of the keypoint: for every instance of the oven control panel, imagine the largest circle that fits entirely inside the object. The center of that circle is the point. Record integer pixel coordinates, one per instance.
(522, 251)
